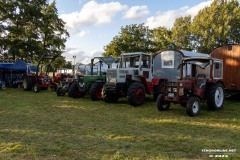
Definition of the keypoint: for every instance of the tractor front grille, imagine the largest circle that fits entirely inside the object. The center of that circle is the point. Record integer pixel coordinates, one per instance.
(111, 73)
(172, 89)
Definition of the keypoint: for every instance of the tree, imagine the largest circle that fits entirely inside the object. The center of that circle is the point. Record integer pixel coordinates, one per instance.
(161, 38)
(181, 33)
(216, 25)
(29, 28)
(132, 38)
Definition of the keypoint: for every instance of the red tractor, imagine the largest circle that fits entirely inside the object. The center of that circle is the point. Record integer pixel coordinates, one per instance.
(40, 80)
(200, 80)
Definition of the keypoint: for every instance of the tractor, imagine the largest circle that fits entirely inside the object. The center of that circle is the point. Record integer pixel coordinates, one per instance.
(66, 80)
(132, 79)
(92, 83)
(200, 80)
(40, 81)
(65, 84)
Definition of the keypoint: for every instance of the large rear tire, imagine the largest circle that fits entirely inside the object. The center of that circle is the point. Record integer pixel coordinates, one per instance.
(136, 94)
(96, 91)
(161, 104)
(193, 106)
(27, 84)
(216, 96)
(74, 91)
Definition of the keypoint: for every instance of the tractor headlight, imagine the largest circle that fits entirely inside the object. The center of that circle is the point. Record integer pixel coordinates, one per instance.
(112, 80)
(169, 89)
(174, 89)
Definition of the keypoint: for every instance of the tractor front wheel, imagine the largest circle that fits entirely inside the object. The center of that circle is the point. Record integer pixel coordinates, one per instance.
(109, 97)
(161, 104)
(54, 87)
(193, 106)
(60, 91)
(216, 96)
(136, 94)
(36, 88)
(74, 91)
(96, 91)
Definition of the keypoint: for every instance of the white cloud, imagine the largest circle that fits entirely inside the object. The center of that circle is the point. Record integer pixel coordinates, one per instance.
(93, 13)
(136, 12)
(82, 33)
(81, 56)
(168, 18)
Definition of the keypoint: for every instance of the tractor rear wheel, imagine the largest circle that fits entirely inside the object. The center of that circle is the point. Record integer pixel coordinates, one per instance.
(27, 83)
(96, 91)
(193, 106)
(60, 91)
(161, 104)
(74, 91)
(136, 94)
(215, 97)
(36, 88)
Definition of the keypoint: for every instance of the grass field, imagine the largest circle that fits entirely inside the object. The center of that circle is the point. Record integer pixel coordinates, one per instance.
(44, 126)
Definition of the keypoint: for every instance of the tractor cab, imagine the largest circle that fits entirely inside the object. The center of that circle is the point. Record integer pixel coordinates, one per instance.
(201, 79)
(131, 65)
(92, 78)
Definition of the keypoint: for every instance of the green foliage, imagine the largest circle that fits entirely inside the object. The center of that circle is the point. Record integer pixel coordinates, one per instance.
(132, 38)
(161, 38)
(217, 25)
(182, 36)
(30, 29)
(59, 62)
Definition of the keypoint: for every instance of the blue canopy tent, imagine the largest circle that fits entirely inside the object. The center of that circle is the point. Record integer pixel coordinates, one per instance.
(21, 66)
(10, 72)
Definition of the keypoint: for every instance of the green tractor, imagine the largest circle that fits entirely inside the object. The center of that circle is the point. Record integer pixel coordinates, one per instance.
(92, 82)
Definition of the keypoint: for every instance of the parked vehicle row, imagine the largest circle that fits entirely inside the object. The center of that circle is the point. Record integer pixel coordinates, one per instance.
(170, 76)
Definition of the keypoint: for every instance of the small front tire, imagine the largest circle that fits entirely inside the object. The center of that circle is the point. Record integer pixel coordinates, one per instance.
(161, 104)
(193, 106)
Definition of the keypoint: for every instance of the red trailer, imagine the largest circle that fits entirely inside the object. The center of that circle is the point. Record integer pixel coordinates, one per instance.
(230, 55)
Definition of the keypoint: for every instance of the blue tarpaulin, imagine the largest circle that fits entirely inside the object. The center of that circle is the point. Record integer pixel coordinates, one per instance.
(20, 65)
(5, 66)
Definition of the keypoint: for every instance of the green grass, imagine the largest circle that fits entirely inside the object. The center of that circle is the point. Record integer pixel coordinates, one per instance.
(44, 126)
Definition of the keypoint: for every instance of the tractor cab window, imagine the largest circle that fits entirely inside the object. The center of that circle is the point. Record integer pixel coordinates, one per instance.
(196, 68)
(218, 69)
(145, 61)
(131, 61)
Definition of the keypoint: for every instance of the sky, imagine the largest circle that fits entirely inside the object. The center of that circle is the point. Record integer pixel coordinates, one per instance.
(92, 24)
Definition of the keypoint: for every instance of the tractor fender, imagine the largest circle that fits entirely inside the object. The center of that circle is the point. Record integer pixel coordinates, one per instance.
(147, 85)
(157, 81)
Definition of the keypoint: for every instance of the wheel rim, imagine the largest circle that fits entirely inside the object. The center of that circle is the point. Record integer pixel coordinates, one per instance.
(195, 107)
(35, 88)
(139, 95)
(99, 93)
(24, 83)
(219, 97)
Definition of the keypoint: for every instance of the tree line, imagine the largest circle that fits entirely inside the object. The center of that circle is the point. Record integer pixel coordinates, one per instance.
(213, 26)
(30, 28)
